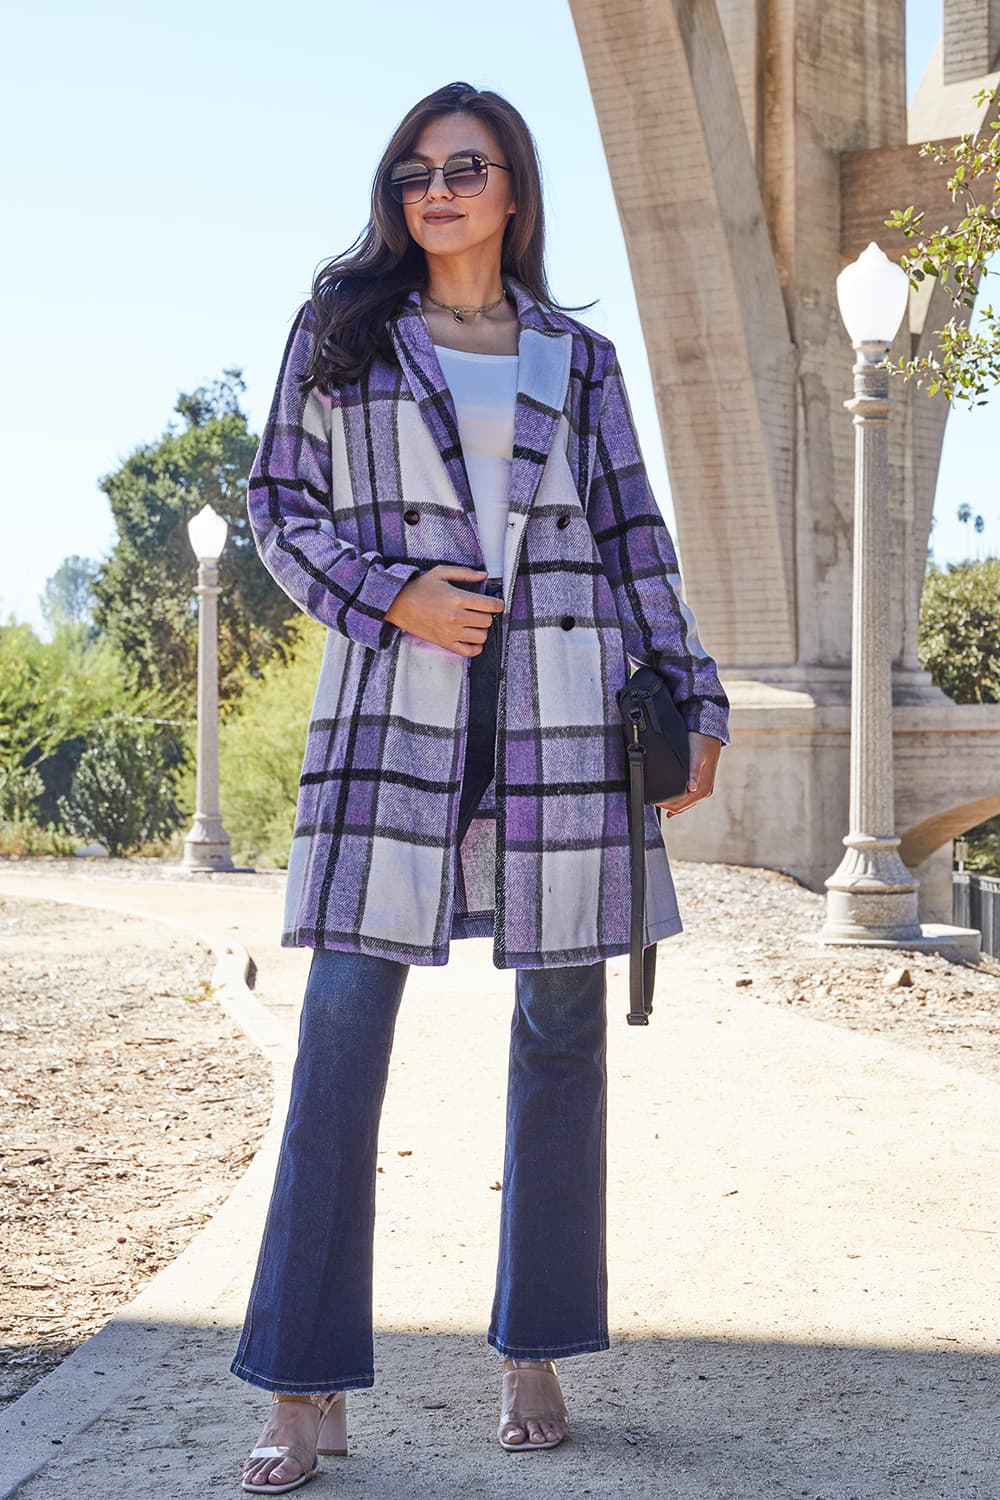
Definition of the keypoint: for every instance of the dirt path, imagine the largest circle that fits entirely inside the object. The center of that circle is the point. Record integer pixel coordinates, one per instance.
(748, 929)
(803, 1235)
(129, 1105)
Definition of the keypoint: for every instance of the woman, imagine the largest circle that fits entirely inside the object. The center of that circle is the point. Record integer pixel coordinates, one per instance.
(450, 480)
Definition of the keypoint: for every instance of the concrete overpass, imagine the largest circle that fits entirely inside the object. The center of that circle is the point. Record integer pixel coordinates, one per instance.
(755, 146)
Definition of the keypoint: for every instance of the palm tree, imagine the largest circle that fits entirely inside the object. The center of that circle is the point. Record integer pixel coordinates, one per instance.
(964, 514)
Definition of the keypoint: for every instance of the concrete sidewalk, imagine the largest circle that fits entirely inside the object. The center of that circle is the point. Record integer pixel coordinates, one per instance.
(803, 1249)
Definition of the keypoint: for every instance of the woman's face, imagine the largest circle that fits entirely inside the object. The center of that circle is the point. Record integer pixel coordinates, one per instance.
(479, 221)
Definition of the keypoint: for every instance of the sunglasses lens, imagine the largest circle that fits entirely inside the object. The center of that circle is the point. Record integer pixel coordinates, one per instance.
(465, 175)
(408, 181)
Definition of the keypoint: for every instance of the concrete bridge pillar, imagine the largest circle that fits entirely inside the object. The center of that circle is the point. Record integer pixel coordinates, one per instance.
(755, 146)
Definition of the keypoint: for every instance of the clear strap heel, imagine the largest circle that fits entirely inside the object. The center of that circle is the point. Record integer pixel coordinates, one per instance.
(333, 1428)
(531, 1393)
(331, 1438)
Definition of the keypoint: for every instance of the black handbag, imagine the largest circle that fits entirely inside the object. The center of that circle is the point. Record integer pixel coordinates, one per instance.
(656, 739)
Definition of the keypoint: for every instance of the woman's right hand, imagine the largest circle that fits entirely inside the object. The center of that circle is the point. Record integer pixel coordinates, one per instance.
(429, 606)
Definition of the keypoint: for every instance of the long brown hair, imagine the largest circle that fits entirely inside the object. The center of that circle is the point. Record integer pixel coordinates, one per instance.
(354, 294)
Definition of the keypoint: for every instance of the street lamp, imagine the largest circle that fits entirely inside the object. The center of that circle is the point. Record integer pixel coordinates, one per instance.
(872, 896)
(207, 845)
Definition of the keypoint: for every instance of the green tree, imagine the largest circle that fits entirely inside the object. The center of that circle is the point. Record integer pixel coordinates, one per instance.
(144, 592)
(969, 362)
(959, 636)
(964, 514)
(959, 644)
(69, 594)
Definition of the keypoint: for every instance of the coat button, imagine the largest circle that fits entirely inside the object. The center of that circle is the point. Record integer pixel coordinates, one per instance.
(567, 622)
(563, 522)
(411, 517)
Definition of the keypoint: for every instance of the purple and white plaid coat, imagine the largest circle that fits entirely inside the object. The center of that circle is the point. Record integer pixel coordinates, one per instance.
(353, 494)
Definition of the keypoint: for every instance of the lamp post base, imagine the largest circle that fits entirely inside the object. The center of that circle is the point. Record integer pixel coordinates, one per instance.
(961, 944)
(871, 896)
(871, 902)
(207, 846)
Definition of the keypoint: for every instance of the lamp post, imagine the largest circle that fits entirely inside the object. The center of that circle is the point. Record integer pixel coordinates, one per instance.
(207, 845)
(872, 896)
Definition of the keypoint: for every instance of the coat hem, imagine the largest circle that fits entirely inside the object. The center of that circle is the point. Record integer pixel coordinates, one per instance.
(358, 942)
(574, 957)
(404, 953)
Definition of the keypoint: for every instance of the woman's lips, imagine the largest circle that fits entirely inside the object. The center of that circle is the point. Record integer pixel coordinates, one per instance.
(440, 218)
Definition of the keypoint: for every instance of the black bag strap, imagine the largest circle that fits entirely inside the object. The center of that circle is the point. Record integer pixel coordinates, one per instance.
(641, 963)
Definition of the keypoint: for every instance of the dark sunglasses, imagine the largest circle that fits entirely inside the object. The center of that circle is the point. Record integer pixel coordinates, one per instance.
(465, 175)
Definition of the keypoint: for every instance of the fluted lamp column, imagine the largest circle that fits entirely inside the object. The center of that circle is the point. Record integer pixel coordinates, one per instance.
(872, 896)
(207, 845)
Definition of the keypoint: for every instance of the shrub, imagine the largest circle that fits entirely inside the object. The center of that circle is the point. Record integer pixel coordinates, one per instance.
(261, 747)
(20, 789)
(960, 647)
(53, 694)
(123, 790)
(960, 629)
(56, 772)
(23, 837)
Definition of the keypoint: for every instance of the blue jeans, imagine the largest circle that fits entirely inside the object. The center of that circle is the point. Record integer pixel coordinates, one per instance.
(308, 1324)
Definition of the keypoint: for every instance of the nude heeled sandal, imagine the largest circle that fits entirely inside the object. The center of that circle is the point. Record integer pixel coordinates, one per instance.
(531, 1393)
(331, 1438)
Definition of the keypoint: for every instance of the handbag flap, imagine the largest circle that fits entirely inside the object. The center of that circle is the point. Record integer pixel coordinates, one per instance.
(662, 732)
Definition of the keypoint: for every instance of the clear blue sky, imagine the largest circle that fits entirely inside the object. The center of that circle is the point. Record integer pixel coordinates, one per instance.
(177, 174)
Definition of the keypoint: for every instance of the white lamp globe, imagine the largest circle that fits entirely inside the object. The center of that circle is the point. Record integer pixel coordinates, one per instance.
(207, 531)
(872, 293)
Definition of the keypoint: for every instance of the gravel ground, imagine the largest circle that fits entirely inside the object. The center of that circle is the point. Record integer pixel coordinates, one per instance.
(747, 926)
(129, 1106)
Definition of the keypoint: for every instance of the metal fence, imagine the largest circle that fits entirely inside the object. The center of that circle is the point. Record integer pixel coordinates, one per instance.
(975, 902)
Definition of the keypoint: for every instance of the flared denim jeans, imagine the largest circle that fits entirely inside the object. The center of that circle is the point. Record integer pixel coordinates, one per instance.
(308, 1325)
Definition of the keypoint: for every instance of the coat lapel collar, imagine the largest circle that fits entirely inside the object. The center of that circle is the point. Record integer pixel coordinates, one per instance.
(544, 356)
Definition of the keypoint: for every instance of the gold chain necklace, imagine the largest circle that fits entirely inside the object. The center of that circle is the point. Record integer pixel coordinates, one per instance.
(457, 312)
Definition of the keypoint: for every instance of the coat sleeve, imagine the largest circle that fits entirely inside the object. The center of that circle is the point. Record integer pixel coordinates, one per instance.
(289, 508)
(640, 561)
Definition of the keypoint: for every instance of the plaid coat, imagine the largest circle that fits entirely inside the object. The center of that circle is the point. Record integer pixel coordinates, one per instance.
(353, 494)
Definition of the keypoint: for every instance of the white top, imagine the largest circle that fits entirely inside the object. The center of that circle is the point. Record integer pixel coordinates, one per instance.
(484, 387)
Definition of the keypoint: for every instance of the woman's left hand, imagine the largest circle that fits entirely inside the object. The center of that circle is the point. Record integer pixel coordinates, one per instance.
(704, 750)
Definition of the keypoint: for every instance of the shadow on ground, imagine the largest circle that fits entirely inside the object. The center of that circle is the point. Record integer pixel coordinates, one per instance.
(689, 1418)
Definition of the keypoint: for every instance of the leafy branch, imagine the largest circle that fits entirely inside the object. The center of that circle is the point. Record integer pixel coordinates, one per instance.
(969, 362)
